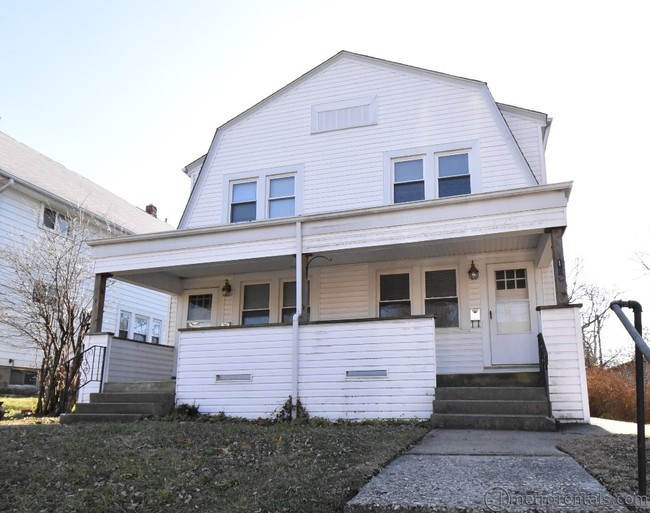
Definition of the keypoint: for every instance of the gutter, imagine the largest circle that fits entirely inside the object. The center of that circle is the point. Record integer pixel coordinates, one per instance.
(295, 323)
(7, 185)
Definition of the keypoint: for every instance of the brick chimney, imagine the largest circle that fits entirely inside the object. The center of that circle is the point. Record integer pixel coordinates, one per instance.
(151, 210)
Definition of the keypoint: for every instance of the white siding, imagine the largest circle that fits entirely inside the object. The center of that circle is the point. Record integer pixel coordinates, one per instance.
(344, 169)
(528, 135)
(344, 292)
(403, 348)
(130, 361)
(566, 367)
(459, 351)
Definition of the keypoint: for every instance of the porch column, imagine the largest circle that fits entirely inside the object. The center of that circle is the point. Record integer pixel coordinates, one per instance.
(99, 295)
(557, 249)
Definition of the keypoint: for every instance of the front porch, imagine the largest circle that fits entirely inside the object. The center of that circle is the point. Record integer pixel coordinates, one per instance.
(338, 310)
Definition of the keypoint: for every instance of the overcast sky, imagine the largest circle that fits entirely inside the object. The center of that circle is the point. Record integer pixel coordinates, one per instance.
(127, 92)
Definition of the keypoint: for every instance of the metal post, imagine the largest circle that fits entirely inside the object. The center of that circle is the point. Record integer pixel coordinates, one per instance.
(640, 406)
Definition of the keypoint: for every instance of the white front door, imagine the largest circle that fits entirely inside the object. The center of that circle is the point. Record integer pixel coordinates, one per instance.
(512, 316)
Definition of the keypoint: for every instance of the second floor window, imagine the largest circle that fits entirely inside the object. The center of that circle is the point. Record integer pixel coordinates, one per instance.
(408, 176)
(282, 197)
(453, 175)
(53, 220)
(244, 202)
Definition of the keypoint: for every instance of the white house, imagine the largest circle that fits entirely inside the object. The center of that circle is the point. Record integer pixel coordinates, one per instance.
(358, 234)
(37, 193)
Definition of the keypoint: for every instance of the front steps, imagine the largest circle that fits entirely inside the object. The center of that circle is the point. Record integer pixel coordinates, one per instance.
(125, 402)
(508, 401)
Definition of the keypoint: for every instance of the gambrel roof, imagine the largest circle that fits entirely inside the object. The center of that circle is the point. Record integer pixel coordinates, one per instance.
(48, 178)
(497, 114)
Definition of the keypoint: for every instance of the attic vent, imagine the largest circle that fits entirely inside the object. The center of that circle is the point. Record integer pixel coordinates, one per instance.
(344, 114)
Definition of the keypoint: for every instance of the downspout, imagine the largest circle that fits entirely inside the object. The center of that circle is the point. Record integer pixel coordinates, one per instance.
(7, 185)
(296, 323)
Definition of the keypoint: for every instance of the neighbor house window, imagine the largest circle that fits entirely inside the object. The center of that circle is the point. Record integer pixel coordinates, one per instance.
(408, 180)
(156, 330)
(441, 298)
(453, 175)
(282, 196)
(44, 293)
(394, 295)
(243, 206)
(255, 309)
(55, 221)
(199, 307)
(125, 321)
(140, 328)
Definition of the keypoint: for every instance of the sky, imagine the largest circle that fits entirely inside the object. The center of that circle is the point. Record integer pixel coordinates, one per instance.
(128, 92)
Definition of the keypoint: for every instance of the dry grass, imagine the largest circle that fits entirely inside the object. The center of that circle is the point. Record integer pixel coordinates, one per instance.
(154, 466)
(612, 394)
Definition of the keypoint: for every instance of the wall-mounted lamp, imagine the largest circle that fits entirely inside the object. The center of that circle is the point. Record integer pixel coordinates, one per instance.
(226, 290)
(473, 272)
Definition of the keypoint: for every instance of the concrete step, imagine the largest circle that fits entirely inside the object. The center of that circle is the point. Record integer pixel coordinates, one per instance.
(500, 422)
(74, 418)
(492, 407)
(491, 393)
(132, 397)
(500, 379)
(147, 409)
(143, 386)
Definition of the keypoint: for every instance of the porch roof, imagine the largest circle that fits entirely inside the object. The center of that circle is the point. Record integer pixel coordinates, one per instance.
(480, 223)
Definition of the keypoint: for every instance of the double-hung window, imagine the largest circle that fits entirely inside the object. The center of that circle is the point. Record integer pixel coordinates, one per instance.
(243, 206)
(453, 174)
(408, 180)
(125, 322)
(441, 297)
(282, 196)
(255, 308)
(140, 328)
(156, 331)
(394, 295)
(55, 221)
(289, 300)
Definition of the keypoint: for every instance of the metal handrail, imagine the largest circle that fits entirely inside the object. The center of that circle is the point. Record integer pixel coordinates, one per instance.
(543, 360)
(641, 350)
(90, 364)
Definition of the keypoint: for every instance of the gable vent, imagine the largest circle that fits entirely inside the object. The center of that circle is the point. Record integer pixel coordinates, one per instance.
(344, 114)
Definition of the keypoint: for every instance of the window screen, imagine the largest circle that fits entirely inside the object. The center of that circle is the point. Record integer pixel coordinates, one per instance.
(256, 304)
(441, 298)
(394, 295)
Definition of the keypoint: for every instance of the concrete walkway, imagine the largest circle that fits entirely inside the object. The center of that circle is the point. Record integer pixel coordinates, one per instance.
(491, 471)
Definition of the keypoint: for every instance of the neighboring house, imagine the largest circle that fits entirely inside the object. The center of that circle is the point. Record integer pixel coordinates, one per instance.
(37, 193)
(355, 236)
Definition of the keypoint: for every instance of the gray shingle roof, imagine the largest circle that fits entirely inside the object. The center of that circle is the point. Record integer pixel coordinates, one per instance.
(40, 173)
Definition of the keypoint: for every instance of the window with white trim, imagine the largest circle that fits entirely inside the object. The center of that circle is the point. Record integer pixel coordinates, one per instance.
(55, 221)
(141, 328)
(289, 300)
(431, 172)
(243, 205)
(408, 180)
(156, 331)
(441, 297)
(125, 322)
(199, 307)
(282, 196)
(453, 174)
(394, 295)
(256, 304)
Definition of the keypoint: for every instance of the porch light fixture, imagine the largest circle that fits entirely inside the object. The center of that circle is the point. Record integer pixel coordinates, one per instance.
(473, 272)
(226, 290)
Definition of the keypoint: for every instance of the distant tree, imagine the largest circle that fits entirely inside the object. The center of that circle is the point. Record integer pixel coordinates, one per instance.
(594, 313)
(46, 298)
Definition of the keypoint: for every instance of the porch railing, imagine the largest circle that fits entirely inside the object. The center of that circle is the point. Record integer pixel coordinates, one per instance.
(641, 350)
(543, 360)
(90, 366)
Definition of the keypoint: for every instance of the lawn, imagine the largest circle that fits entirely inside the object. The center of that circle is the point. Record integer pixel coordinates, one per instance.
(154, 466)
